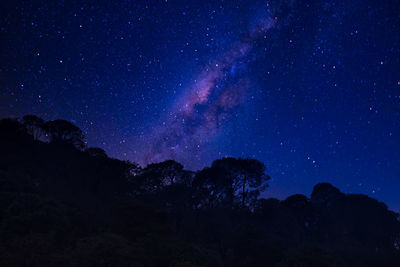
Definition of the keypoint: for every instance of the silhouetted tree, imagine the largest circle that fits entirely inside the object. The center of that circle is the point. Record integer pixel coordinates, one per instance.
(156, 176)
(230, 180)
(65, 131)
(325, 194)
(297, 201)
(169, 171)
(34, 125)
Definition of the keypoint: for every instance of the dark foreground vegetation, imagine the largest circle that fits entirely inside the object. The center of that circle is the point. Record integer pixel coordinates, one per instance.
(63, 204)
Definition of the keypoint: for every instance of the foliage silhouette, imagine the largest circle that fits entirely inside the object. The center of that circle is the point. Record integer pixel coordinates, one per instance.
(34, 125)
(232, 182)
(65, 132)
(62, 204)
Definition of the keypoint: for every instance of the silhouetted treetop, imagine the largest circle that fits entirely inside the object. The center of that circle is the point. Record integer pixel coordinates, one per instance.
(232, 181)
(34, 125)
(296, 201)
(157, 176)
(325, 193)
(65, 131)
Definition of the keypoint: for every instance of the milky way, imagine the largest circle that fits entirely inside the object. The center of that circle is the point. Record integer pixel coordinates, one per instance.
(200, 113)
(314, 93)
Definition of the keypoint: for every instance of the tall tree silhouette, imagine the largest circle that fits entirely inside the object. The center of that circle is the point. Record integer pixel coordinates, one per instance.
(232, 181)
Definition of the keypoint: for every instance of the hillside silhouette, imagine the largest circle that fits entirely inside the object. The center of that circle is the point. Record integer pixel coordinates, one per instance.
(65, 204)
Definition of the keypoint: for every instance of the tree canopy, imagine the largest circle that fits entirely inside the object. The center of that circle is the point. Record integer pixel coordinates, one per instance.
(66, 132)
(62, 204)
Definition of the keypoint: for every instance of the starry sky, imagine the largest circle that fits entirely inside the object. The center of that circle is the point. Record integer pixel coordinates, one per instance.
(310, 88)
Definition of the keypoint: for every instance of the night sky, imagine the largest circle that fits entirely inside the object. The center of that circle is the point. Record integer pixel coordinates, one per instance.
(310, 88)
